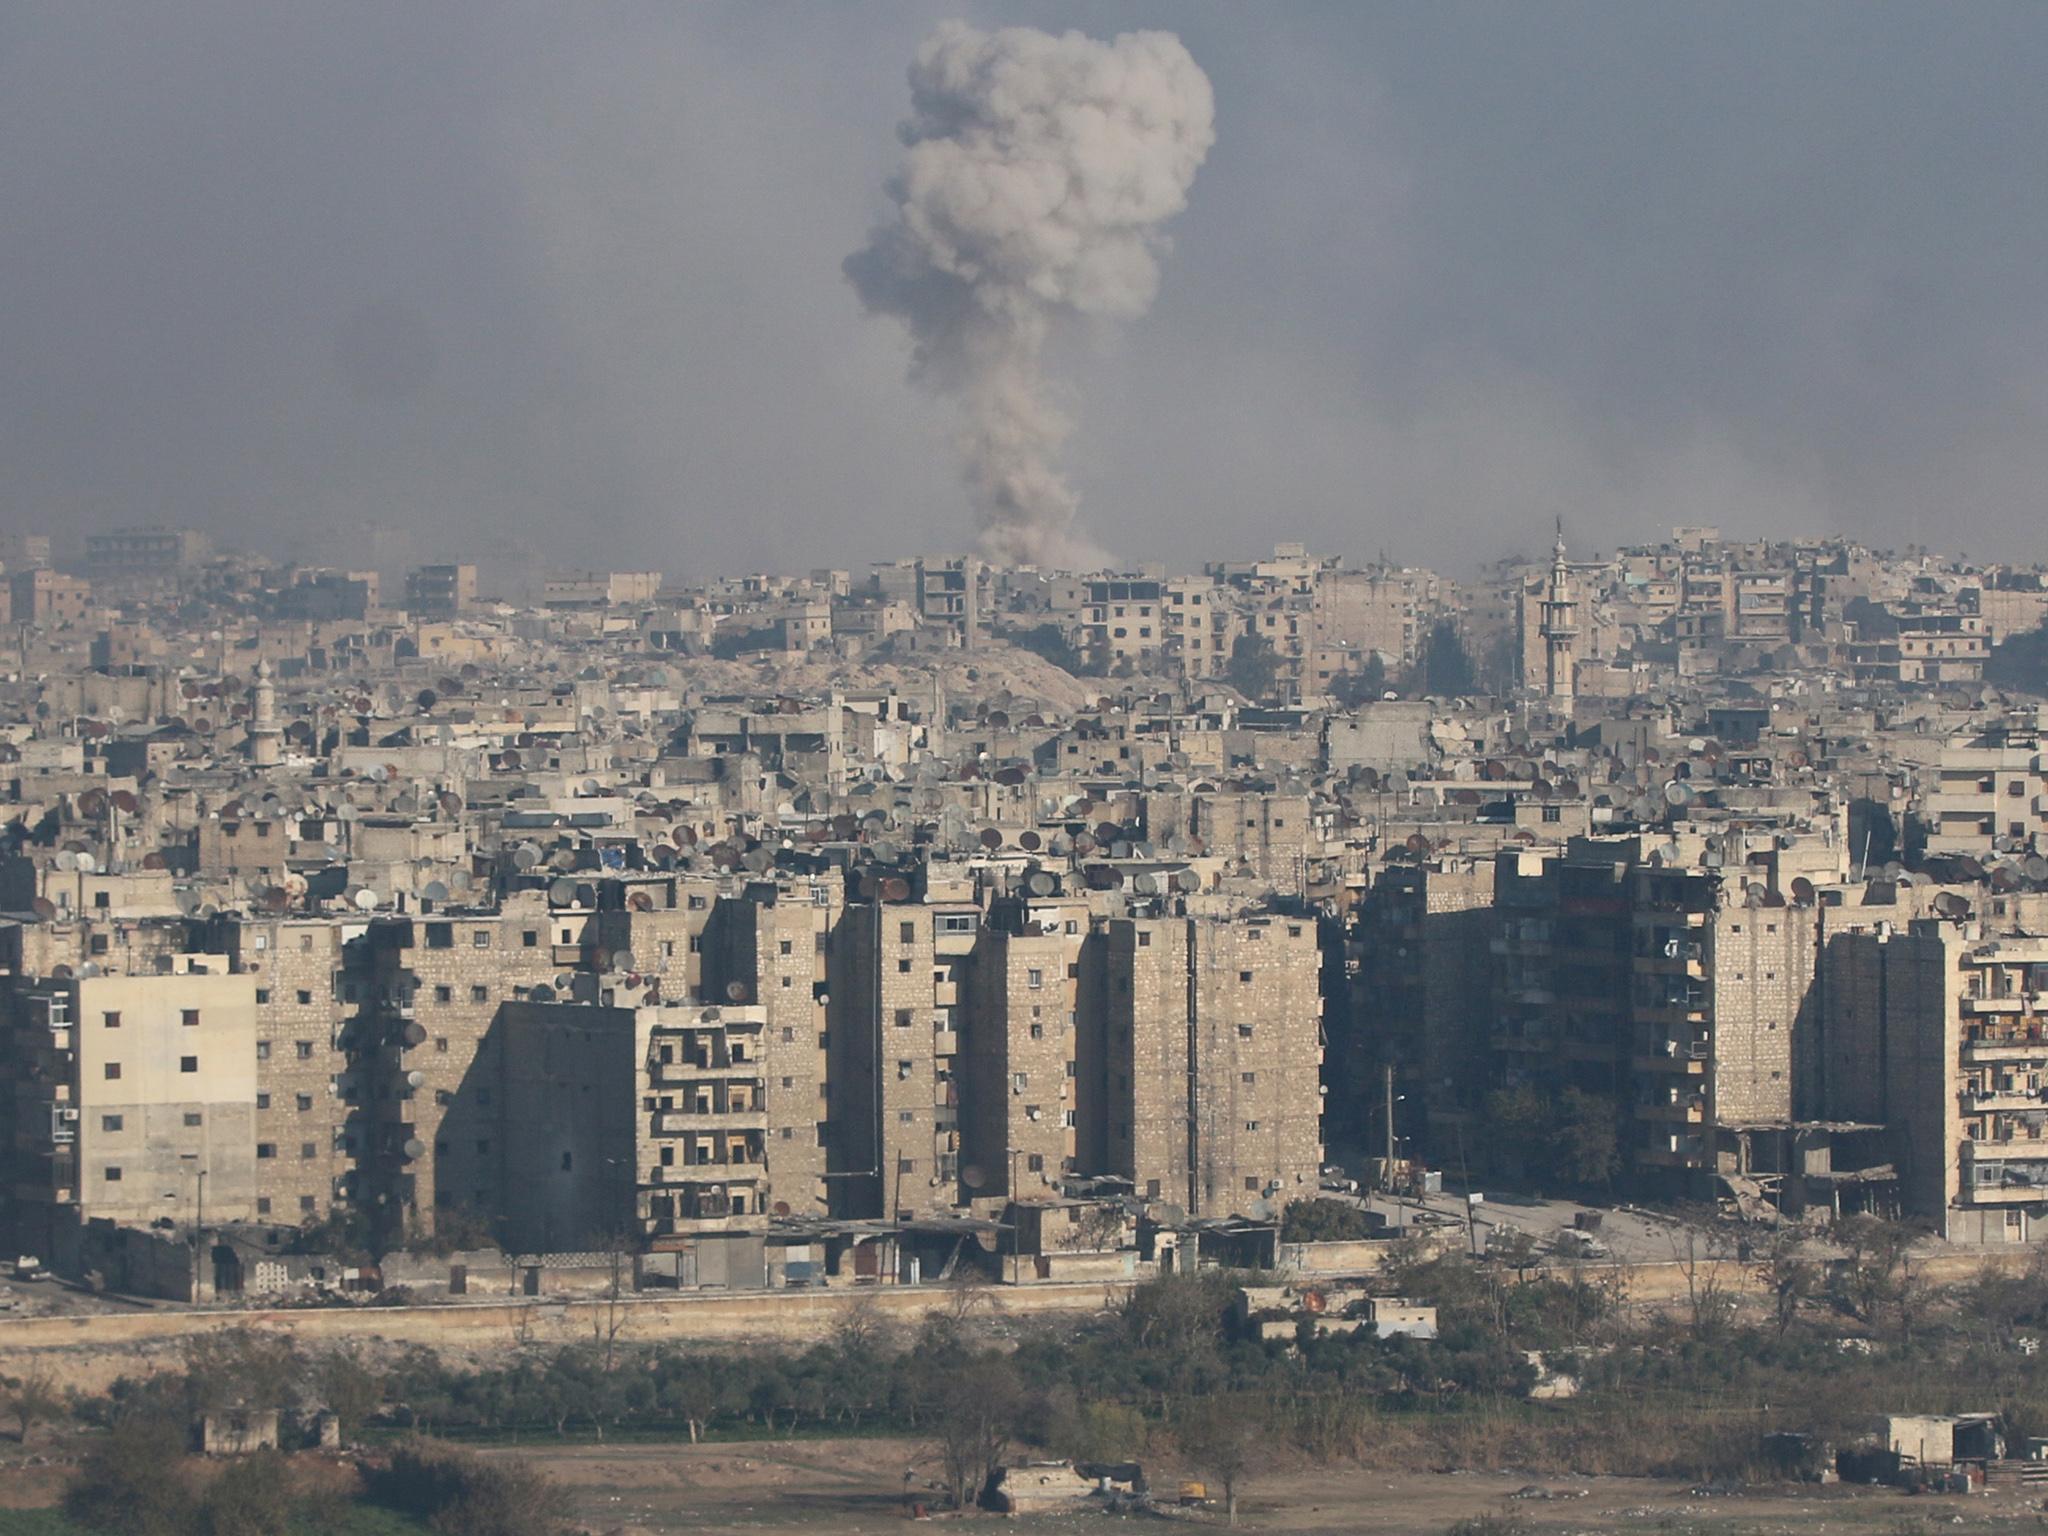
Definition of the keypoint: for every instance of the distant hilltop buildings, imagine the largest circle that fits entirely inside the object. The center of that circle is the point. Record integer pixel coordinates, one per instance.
(806, 927)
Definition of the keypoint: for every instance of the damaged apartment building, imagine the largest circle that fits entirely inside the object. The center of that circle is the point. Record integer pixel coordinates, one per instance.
(673, 916)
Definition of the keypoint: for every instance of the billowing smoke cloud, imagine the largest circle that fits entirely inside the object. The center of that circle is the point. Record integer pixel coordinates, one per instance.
(1037, 174)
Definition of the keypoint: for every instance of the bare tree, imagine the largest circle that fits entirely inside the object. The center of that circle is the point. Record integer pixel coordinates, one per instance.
(1702, 1248)
(1219, 1437)
(1790, 1277)
(1876, 1278)
(619, 1249)
(978, 1412)
(31, 1400)
(1098, 1228)
(968, 1293)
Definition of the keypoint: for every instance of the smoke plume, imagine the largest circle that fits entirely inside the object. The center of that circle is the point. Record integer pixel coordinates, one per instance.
(1037, 173)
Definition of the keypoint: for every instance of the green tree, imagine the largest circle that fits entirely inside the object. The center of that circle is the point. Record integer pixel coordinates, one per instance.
(351, 1390)
(1369, 682)
(2020, 662)
(1522, 1125)
(1447, 669)
(238, 1368)
(1586, 1141)
(251, 1497)
(133, 1481)
(1323, 1221)
(1254, 668)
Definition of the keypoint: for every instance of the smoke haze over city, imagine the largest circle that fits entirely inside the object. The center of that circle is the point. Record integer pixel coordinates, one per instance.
(569, 281)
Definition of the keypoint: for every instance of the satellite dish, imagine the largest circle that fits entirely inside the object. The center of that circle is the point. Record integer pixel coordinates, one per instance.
(562, 892)
(86, 864)
(366, 899)
(973, 1175)
(434, 891)
(622, 960)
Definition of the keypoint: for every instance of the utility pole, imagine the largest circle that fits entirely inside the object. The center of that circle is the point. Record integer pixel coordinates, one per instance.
(1387, 1167)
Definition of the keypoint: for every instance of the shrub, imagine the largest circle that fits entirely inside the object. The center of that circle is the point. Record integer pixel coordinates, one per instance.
(461, 1494)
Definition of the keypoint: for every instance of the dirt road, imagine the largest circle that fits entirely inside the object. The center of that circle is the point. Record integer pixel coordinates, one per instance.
(860, 1486)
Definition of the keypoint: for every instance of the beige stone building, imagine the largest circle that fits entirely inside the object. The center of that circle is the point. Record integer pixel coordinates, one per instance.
(1213, 1052)
(1017, 1064)
(1938, 1033)
(899, 972)
(133, 1099)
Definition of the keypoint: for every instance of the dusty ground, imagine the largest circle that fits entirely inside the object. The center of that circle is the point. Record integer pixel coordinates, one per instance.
(858, 1486)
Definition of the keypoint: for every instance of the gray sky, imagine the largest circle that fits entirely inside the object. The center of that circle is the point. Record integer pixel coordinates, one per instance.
(567, 277)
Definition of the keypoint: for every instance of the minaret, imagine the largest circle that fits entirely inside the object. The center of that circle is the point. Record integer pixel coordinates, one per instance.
(1560, 633)
(263, 731)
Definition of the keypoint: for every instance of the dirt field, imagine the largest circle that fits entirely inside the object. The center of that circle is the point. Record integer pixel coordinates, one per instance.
(858, 1486)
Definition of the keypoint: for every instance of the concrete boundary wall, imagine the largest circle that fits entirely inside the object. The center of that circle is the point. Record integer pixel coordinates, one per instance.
(128, 1342)
(754, 1317)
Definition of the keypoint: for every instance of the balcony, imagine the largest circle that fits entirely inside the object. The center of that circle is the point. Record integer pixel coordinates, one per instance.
(678, 1073)
(1688, 1154)
(1995, 1100)
(2029, 1045)
(1673, 1013)
(1689, 1110)
(1962, 803)
(1585, 1048)
(1992, 1175)
(2011, 1002)
(710, 1175)
(683, 1122)
(1684, 1066)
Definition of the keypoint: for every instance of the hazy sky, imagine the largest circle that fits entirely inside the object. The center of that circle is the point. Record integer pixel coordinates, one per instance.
(568, 277)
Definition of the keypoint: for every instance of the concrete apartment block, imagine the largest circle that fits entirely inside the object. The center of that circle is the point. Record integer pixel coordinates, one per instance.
(1215, 1060)
(138, 1101)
